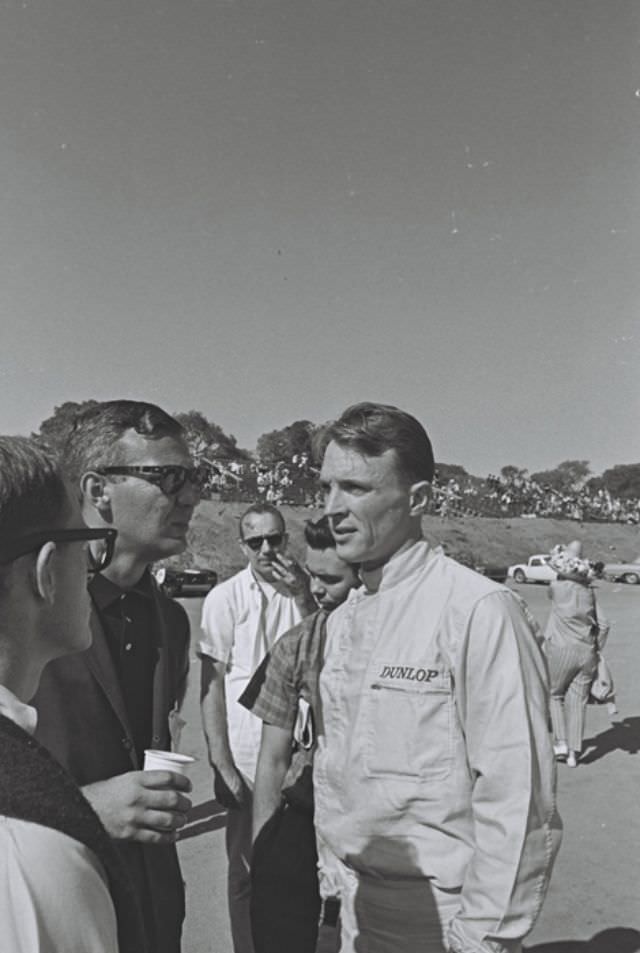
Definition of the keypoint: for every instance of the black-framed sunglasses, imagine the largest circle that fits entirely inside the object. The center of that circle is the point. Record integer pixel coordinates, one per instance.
(170, 478)
(11, 549)
(255, 542)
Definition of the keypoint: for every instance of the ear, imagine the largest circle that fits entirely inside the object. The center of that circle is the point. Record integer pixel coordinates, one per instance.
(285, 541)
(419, 496)
(95, 491)
(45, 573)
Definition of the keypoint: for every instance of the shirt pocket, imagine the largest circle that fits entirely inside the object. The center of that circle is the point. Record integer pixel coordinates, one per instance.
(245, 654)
(409, 718)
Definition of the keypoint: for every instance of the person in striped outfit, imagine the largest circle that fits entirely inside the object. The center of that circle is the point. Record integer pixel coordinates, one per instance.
(576, 632)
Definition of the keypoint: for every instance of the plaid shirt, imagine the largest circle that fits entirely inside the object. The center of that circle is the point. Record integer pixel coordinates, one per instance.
(284, 692)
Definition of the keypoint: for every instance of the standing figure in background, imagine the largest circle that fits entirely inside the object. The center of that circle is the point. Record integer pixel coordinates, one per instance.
(100, 709)
(241, 620)
(576, 632)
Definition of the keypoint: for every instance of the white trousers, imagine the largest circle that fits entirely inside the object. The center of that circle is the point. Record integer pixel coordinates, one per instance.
(572, 665)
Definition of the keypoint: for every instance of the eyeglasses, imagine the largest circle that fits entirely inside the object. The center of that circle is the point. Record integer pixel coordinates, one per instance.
(170, 478)
(12, 549)
(255, 542)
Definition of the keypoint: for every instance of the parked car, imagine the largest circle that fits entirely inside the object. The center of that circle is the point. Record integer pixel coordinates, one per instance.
(623, 572)
(536, 569)
(185, 582)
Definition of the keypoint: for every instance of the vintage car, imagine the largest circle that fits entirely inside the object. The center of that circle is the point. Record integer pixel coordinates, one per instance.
(623, 572)
(536, 569)
(185, 582)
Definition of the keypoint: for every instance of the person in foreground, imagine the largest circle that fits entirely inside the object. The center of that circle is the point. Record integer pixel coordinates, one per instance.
(576, 633)
(283, 693)
(241, 619)
(434, 775)
(100, 709)
(62, 884)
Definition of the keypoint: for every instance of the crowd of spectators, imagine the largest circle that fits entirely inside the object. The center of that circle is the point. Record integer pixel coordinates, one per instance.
(519, 495)
(294, 482)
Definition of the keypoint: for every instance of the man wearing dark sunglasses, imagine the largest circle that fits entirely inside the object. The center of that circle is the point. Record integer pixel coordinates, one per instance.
(83, 903)
(103, 708)
(241, 619)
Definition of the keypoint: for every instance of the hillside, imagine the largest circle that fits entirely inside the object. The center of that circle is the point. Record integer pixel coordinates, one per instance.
(214, 534)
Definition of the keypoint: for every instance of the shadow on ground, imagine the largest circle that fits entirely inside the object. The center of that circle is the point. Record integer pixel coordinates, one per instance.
(615, 940)
(203, 818)
(621, 736)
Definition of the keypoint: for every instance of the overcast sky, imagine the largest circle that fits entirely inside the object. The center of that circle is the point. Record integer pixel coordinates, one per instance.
(268, 209)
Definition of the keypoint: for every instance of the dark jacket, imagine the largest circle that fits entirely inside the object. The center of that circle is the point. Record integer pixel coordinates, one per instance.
(82, 720)
(34, 788)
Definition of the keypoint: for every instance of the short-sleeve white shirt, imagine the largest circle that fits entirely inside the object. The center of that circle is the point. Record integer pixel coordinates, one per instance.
(241, 620)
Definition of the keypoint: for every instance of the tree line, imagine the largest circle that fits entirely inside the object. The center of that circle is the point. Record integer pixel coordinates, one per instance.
(210, 444)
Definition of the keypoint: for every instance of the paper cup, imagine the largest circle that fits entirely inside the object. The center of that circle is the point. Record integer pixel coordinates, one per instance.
(167, 761)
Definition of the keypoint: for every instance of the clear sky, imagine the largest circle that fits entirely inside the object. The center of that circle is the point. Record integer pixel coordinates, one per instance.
(269, 210)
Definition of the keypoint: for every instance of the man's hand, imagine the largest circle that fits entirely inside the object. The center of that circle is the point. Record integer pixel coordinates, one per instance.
(292, 576)
(229, 789)
(144, 806)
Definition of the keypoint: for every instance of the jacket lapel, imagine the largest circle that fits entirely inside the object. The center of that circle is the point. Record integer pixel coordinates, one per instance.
(100, 664)
(161, 688)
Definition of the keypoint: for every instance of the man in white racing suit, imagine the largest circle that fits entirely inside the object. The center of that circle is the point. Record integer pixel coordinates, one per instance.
(434, 775)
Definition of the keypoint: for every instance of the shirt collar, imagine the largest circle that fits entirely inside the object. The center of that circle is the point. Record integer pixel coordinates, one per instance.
(25, 716)
(268, 589)
(401, 565)
(104, 592)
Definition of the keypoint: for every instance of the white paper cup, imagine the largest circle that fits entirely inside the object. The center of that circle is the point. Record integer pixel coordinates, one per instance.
(167, 761)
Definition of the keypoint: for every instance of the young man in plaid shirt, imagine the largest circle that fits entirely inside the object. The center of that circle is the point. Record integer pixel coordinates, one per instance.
(285, 901)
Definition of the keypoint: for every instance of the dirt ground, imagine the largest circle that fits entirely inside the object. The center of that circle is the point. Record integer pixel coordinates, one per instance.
(593, 903)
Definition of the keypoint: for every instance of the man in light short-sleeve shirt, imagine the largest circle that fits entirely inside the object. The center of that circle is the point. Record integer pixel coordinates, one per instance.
(241, 619)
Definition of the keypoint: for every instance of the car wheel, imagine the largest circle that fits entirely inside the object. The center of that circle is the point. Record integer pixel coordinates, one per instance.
(519, 576)
(632, 578)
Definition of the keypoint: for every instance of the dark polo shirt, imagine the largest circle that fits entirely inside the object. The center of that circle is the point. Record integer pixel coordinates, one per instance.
(127, 619)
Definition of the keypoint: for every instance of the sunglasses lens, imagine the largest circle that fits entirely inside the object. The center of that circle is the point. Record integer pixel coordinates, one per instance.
(255, 542)
(174, 478)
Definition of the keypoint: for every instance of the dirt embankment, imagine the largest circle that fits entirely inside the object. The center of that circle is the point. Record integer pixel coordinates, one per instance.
(214, 534)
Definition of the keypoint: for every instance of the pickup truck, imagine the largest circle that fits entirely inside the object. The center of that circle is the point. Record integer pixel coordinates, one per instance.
(623, 572)
(536, 569)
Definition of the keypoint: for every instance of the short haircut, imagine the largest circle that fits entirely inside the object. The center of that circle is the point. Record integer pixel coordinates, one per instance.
(260, 509)
(93, 441)
(33, 492)
(371, 429)
(318, 534)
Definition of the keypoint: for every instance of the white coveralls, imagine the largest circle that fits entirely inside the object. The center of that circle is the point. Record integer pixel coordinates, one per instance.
(434, 775)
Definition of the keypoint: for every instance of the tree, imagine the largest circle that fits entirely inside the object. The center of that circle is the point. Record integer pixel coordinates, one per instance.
(283, 444)
(208, 441)
(55, 429)
(451, 471)
(622, 480)
(568, 477)
(511, 473)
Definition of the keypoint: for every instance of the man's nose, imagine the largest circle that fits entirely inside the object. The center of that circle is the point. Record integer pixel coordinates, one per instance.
(333, 501)
(189, 494)
(266, 546)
